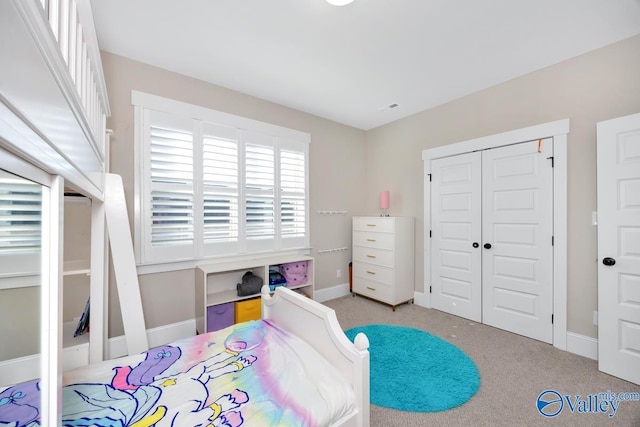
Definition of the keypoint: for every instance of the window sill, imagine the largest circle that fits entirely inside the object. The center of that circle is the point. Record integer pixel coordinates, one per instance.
(191, 264)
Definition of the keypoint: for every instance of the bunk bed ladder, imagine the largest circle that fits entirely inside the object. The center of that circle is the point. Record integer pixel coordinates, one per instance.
(124, 264)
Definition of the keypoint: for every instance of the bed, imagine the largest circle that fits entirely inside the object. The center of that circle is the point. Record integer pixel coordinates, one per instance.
(256, 373)
(53, 109)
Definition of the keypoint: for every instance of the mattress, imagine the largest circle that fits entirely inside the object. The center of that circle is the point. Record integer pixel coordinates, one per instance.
(249, 374)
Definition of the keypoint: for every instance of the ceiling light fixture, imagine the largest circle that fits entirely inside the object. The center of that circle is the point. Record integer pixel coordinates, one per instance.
(339, 2)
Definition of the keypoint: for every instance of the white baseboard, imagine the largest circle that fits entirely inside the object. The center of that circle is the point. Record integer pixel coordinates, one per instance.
(582, 345)
(420, 298)
(26, 368)
(157, 336)
(326, 294)
(20, 369)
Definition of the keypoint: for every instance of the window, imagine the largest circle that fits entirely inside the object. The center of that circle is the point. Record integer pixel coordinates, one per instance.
(20, 227)
(211, 184)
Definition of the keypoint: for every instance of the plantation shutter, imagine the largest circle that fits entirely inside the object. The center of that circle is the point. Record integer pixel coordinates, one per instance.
(213, 185)
(293, 194)
(220, 189)
(20, 226)
(170, 213)
(20, 216)
(259, 191)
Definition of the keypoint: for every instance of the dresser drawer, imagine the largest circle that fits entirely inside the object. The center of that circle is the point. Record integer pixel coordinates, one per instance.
(373, 289)
(373, 272)
(382, 257)
(379, 224)
(373, 240)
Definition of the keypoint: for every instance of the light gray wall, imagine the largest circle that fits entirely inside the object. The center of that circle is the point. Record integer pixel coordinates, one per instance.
(337, 176)
(597, 86)
(349, 167)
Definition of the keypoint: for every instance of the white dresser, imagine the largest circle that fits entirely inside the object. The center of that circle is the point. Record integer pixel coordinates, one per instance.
(383, 258)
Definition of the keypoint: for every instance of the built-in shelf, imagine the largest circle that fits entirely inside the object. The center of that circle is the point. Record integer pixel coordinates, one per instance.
(216, 282)
(71, 268)
(223, 297)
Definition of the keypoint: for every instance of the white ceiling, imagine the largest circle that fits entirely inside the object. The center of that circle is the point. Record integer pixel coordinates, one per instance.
(348, 63)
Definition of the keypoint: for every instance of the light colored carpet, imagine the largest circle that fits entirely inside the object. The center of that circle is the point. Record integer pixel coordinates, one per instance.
(514, 370)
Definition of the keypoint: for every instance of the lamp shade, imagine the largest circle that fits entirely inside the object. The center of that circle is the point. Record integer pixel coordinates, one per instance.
(339, 2)
(384, 199)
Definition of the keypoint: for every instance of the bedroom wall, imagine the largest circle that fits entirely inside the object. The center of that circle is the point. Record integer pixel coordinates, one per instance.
(597, 86)
(337, 177)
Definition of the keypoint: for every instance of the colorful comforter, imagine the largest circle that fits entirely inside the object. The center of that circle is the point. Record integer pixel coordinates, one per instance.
(250, 374)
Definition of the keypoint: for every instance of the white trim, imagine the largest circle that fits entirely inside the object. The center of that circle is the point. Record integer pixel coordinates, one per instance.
(545, 130)
(157, 336)
(582, 345)
(20, 369)
(28, 367)
(421, 299)
(557, 130)
(188, 265)
(333, 292)
(560, 216)
(26, 281)
(167, 105)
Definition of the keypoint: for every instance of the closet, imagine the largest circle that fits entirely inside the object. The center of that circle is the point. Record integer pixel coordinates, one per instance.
(489, 233)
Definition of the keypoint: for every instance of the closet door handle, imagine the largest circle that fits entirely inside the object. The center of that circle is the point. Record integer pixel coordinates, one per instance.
(475, 244)
(487, 245)
(609, 261)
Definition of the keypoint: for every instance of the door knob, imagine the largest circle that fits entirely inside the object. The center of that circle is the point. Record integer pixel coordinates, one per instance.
(475, 244)
(487, 245)
(608, 261)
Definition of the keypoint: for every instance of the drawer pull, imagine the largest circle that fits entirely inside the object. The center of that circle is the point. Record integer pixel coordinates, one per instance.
(371, 272)
(371, 256)
(370, 288)
(371, 240)
(371, 225)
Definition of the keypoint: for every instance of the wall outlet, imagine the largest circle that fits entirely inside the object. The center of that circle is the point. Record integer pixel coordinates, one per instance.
(338, 273)
(595, 318)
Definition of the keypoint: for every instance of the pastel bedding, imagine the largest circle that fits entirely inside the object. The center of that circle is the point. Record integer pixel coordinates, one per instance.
(249, 374)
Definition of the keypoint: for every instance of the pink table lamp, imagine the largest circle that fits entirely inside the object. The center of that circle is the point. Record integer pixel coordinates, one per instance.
(384, 202)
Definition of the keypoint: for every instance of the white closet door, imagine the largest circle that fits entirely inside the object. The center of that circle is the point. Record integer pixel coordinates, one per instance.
(619, 247)
(517, 232)
(456, 208)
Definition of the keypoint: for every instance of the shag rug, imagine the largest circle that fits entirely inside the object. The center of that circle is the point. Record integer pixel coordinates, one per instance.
(414, 371)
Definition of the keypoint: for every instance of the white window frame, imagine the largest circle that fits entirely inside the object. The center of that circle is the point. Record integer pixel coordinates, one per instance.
(186, 257)
(21, 268)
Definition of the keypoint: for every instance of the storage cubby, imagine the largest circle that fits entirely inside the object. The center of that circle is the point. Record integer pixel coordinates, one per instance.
(216, 286)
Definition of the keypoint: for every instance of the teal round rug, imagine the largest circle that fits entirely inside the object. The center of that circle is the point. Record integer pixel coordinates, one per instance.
(414, 371)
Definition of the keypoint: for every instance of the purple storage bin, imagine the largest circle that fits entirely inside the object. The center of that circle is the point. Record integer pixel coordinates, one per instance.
(295, 272)
(220, 316)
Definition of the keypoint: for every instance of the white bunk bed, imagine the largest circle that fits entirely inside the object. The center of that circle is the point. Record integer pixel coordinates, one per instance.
(53, 109)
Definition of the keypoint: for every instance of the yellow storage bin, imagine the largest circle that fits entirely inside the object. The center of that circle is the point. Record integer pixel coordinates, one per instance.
(250, 309)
